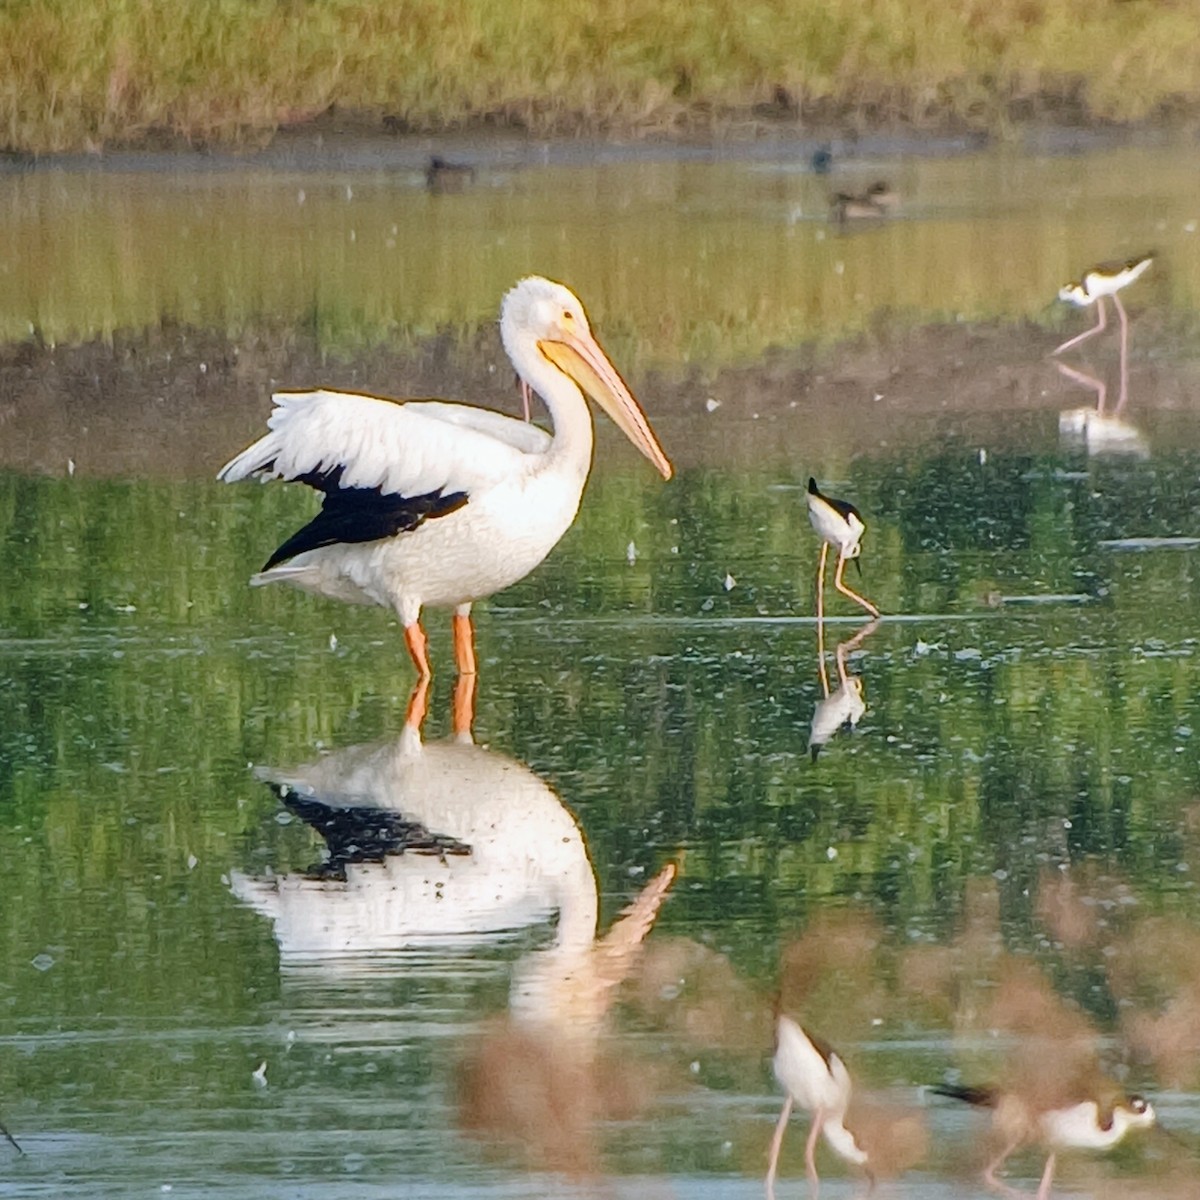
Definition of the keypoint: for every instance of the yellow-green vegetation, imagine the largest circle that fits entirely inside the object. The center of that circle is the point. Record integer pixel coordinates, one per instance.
(75, 74)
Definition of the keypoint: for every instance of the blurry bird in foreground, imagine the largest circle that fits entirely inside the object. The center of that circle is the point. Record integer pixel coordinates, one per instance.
(1095, 1123)
(1054, 1092)
(882, 1141)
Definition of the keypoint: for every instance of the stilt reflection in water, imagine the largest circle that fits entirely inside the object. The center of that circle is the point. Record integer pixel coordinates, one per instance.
(845, 704)
(1098, 431)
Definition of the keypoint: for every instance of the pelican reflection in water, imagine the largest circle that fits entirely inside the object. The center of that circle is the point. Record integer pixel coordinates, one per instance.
(447, 846)
(844, 705)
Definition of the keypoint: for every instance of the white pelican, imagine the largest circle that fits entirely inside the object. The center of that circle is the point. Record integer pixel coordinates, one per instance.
(429, 502)
(839, 524)
(1081, 1124)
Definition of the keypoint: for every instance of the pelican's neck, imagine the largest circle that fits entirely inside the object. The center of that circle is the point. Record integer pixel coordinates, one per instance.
(565, 402)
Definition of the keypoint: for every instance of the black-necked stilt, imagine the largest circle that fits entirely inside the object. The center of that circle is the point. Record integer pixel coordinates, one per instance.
(822, 159)
(839, 524)
(877, 201)
(814, 1076)
(882, 1140)
(1086, 1124)
(1107, 279)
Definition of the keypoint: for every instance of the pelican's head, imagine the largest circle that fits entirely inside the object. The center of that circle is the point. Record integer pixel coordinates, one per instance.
(541, 319)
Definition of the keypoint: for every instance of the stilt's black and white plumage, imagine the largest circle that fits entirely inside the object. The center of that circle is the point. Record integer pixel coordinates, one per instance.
(840, 525)
(1107, 279)
(814, 1077)
(1086, 1124)
(433, 503)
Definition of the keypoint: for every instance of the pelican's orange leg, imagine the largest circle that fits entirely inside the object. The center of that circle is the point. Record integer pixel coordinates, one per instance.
(417, 643)
(1043, 1192)
(418, 704)
(821, 583)
(464, 705)
(776, 1143)
(1101, 324)
(464, 641)
(841, 586)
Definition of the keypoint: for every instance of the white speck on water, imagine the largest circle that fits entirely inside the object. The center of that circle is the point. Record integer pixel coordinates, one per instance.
(42, 962)
(300, 196)
(969, 654)
(349, 192)
(1000, 875)
(1189, 227)
(204, 368)
(877, 396)
(260, 1076)
(982, 456)
(730, 582)
(333, 642)
(712, 405)
(831, 853)
(631, 554)
(70, 466)
(125, 608)
(192, 862)
(283, 818)
(839, 268)
(694, 1066)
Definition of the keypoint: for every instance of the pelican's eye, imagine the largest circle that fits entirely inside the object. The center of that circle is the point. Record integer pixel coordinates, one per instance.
(568, 315)
(1138, 1104)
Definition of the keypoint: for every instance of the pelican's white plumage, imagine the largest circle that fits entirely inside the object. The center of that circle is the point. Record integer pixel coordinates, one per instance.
(433, 503)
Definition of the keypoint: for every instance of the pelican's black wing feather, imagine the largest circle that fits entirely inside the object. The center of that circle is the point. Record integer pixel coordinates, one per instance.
(360, 514)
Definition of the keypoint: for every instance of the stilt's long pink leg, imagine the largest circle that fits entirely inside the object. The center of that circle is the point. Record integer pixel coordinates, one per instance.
(1043, 1192)
(1124, 355)
(1087, 333)
(776, 1143)
(989, 1172)
(848, 591)
(810, 1151)
(821, 583)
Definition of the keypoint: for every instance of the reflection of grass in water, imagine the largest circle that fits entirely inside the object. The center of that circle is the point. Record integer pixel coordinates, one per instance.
(82, 75)
(684, 263)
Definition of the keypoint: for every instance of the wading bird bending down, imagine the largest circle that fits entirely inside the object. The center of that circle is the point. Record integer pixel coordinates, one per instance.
(1107, 279)
(815, 1078)
(1092, 1124)
(839, 524)
(435, 503)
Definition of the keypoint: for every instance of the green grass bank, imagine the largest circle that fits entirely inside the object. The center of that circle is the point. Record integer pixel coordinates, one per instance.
(77, 75)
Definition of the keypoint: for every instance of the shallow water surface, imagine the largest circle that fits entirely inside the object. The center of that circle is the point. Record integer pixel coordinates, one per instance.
(261, 937)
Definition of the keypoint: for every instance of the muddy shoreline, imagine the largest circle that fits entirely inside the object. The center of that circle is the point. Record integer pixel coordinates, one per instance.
(175, 401)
